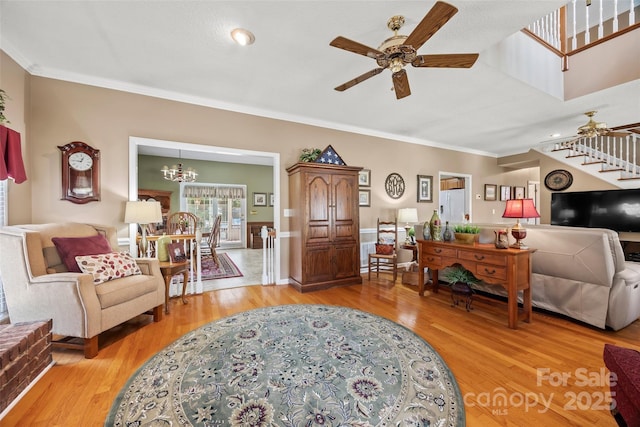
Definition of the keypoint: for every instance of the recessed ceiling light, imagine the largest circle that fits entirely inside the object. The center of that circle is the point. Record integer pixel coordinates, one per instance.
(243, 37)
(555, 135)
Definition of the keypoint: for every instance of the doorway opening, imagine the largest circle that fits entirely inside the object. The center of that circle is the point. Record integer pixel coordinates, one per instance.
(165, 148)
(455, 197)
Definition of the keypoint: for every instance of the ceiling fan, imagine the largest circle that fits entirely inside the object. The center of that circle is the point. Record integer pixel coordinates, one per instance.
(592, 128)
(397, 51)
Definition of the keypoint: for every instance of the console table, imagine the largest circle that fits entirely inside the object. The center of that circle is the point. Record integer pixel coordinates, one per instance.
(509, 268)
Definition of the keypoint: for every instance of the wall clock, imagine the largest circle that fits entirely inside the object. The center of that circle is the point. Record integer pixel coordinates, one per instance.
(558, 180)
(80, 172)
(394, 185)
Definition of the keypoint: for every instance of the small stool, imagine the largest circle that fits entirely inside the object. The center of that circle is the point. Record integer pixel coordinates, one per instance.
(460, 289)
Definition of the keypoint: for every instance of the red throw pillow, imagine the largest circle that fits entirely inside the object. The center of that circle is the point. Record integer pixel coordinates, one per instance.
(384, 249)
(70, 247)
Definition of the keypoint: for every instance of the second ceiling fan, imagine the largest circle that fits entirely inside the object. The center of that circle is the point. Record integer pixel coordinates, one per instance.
(398, 50)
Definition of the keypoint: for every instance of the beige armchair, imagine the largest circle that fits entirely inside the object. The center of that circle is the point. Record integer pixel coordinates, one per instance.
(38, 286)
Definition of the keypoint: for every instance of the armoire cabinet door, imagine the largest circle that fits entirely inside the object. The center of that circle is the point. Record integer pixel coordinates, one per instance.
(318, 198)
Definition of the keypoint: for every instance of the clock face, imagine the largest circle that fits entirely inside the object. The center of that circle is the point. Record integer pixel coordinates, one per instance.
(80, 161)
(558, 180)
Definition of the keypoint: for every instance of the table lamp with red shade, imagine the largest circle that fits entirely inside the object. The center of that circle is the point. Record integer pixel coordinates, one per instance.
(520, 208)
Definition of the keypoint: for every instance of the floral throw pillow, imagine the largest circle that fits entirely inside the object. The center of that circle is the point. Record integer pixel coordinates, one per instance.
(109, 266)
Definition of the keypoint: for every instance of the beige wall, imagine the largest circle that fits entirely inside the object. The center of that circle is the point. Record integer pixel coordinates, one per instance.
(51, 112)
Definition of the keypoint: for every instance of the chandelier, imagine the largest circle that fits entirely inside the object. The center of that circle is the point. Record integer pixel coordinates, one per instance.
(593, 128)
(178, 174)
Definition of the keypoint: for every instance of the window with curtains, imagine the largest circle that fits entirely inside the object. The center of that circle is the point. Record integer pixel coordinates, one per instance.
(207, 201)
(3, 222)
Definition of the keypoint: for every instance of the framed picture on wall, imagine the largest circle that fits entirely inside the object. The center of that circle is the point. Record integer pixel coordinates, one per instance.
(505, 193)
(518, 193)
(364, 198)
(259, 199)
(271, 199)
(425, 188)
(490, 191)
(364, 178)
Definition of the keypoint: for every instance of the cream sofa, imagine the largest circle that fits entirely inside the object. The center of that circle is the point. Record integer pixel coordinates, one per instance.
(579, 272)
(38, 286)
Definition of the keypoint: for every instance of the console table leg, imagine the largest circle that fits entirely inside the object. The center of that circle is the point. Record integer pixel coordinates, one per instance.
(527, 304)
(512, 304)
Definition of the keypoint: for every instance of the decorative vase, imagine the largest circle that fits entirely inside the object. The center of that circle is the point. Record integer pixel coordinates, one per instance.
(161, 247)
(447, 235)
(435, 227)
(426, 231)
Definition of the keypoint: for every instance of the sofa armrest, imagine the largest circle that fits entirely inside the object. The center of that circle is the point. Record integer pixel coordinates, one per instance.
(68, 298)
(630, 275)
(149, 266)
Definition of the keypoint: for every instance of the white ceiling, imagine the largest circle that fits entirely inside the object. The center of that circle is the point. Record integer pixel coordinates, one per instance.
(182, 50)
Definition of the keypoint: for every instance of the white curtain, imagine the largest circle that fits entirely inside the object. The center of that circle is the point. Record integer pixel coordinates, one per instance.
(215, 192)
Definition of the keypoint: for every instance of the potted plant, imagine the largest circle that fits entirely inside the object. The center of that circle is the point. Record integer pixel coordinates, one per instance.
(459, 274)
(461, 280)
(309, 154)
(466, 233)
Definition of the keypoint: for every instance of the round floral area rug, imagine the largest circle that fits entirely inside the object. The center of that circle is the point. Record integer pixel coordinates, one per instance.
(293, 365)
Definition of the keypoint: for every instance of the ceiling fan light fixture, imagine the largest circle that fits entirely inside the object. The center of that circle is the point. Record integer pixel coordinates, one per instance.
(243, 37)
(592, 128)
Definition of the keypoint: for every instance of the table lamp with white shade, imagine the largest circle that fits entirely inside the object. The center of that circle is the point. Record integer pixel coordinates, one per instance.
(143, 213)
(520, 208)
(408, 216)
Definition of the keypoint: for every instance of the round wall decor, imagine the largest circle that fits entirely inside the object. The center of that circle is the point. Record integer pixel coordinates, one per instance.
(394, 185)
(558, 180)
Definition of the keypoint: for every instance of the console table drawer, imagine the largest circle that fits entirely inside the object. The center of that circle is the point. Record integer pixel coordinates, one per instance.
(491, 271)
(436, 250)
(482, 257)
(432, 261)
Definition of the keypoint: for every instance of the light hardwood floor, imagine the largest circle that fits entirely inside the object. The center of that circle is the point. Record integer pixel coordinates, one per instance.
(549, 371)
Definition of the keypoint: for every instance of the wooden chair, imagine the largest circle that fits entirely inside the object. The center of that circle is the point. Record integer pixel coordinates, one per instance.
(182, 223)
(385, 259)
(213, 240)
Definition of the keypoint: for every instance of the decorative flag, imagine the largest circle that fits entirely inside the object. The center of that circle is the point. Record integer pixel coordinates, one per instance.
(330, 157)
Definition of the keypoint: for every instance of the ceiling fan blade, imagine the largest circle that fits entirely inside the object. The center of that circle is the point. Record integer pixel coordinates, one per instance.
(453, 60)
(401, 84)
(617, 134)
(355, 47)
(359, 79)
(439, 14)
(629, 126)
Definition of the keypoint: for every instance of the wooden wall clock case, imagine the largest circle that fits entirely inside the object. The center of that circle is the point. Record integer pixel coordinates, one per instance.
(80, 173)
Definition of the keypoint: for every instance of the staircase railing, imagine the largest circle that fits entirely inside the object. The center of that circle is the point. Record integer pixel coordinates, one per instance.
(577, 25)
(614, 153)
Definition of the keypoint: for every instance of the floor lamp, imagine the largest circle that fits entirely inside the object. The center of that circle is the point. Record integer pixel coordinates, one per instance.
(143, 213)
(520, 208)
(407, 216)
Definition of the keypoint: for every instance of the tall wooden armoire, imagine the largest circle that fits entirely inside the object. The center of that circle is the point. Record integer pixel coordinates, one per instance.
(325, 226)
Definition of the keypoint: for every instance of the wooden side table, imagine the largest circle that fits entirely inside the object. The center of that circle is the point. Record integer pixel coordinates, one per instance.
(170, 269)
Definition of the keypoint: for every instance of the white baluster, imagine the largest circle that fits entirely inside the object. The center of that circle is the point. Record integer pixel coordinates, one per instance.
(600, 26)
(632, 13)
(615, 16)
(574, 42)
(587, 36)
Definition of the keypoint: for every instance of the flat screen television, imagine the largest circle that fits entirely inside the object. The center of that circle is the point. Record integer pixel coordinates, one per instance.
(617, 210)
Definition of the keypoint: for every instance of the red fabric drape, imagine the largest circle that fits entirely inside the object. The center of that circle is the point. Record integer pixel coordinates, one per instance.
(11, 165)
